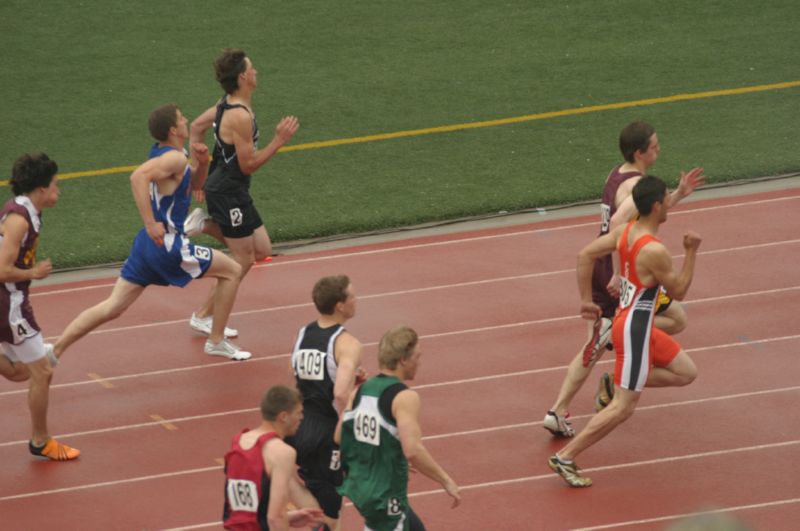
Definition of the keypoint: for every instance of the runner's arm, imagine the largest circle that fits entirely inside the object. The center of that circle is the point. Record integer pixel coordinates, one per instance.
(239, 122)
(282, 458)
(598, 247)
(337, 434)
(348, 354)
(200, 160)
(201, 124)
(658, 260)
(155, 169)
(405, 408)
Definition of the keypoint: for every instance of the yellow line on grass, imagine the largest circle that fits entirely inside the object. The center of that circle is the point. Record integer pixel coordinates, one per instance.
(545, 115)
(486, 123)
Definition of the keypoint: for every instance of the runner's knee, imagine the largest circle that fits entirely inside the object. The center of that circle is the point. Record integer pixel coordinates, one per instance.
(17, 372)
(688, 375)
(21, 374)
(41, 372)
(684, 368)
(674, 320)
(111, 309)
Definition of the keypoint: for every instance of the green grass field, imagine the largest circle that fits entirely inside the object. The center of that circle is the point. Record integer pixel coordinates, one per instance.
(81, 77)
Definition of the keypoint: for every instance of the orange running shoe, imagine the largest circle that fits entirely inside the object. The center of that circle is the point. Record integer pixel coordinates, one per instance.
(54, 450)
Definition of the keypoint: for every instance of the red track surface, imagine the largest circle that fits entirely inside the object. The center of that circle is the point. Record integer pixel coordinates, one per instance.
(497, 313)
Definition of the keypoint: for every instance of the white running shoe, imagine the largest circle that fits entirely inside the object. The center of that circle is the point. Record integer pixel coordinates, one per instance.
(193, 225)
(203, 325)
(50, 353)
(558, 425)
(226, 349)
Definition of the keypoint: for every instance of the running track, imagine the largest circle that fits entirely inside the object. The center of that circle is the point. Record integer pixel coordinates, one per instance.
(496, 310)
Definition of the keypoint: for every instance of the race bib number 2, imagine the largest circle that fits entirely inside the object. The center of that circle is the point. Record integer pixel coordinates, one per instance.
(243, 495)
(236, 216)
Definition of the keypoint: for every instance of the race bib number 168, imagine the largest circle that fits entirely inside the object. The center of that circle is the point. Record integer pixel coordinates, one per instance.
(243, 495)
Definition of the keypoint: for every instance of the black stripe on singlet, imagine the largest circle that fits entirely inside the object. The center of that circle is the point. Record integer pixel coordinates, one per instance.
(639, 329)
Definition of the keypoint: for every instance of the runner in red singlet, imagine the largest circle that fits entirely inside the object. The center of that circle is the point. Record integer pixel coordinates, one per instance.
(260, 472)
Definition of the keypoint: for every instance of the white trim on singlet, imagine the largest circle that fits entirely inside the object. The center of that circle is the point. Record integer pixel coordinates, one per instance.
(25, 201)
(370, 404)
(190, 263)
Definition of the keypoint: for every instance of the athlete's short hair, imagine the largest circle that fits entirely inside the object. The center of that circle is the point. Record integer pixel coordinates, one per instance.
(162, 120)
(635, 137)
(328, 292)
(227, 68)
(649, 190)
(278, 399)
(30, 171)
(396, 344)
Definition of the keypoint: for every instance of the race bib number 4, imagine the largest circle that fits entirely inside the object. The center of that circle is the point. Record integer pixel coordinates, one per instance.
(367, 428)
(310, 364)
(242, 495)
(21, 330)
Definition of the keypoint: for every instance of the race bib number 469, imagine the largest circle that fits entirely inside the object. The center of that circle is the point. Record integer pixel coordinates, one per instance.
(243, 495)
(367, 428)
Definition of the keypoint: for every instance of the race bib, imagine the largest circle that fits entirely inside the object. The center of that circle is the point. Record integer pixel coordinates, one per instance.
(21, 330)
(202, 253)
(336, 460)
(367, 428)
(310, 364)
(605, 218)
(393, 508)
(627, 292)
(236, 216)
(243, 495)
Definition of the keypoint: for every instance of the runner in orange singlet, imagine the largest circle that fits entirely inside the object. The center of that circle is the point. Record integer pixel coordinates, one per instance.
(646, 356)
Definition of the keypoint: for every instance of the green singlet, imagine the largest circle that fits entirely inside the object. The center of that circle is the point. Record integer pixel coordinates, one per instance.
(376, 471)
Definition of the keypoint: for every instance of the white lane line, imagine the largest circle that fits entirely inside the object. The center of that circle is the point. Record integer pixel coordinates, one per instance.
(112, 483)
(289, 261)
(695, 401)
(475, 486)
(426, 336)
(698, 514)
(658, 461)
(373, 343)
(455, 285)
(204, 416)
